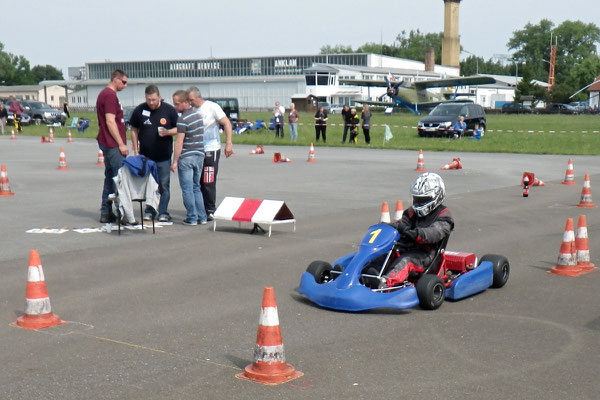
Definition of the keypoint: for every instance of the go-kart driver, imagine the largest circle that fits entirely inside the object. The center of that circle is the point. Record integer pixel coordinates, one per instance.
(422, 227)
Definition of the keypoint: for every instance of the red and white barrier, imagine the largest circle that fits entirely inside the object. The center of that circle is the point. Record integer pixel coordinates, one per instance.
(267, 212)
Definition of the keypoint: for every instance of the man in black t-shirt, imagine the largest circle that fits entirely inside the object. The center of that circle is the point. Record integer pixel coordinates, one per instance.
(152, 125)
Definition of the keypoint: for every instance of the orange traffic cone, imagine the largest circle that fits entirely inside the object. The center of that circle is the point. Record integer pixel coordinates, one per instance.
(38, 312)
(567, 264)
(100, 158)
(4, 186)
(532, 180)
(455, 164)
(259, 150)
(586, 194)
(420, 162)
(399, 211)
(537, 182)
(311, 153)
(70, 139)
(43, 140)
(269, 366)
(385, 212)
(62, 161)
(12, 135)
(569, 175)
(51, 135)
(582, 246)
(277, 158)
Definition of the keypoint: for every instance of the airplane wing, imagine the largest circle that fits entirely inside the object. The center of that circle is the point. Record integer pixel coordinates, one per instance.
(377, 103)
(465, 81)
(363, 82)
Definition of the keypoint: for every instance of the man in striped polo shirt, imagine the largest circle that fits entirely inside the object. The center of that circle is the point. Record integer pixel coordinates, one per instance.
(188, 158)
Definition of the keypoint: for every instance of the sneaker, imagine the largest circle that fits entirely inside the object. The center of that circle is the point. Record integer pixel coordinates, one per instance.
(147, 217)
(188, 222)
(124, 222)
(106, 218)
(164, 218)
(210, 217)
(203, 222)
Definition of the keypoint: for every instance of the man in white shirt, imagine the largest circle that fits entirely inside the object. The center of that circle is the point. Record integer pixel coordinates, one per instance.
(213, 118)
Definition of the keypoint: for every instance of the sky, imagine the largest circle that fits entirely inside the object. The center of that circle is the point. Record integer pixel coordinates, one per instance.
(68, 33)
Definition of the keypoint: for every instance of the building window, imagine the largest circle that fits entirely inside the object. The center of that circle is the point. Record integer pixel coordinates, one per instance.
(51, 98)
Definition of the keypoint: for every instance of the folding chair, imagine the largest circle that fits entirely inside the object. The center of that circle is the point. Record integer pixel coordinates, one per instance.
(74, 122)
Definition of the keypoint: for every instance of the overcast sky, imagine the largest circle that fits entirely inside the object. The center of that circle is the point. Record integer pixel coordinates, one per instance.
(66, 33)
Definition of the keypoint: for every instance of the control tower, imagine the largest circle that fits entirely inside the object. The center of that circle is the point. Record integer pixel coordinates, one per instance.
(451, 42)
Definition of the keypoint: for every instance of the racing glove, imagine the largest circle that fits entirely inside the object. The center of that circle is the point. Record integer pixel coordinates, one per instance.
(410, 235)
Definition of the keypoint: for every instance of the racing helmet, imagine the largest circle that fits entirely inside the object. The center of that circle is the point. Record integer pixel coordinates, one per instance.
(427, 192)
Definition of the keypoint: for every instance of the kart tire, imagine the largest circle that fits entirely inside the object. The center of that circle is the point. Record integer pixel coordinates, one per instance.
(431, 292)
(321, 270)
(501, 269)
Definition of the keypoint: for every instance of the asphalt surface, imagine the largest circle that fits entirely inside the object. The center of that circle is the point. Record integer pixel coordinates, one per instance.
(174, 315)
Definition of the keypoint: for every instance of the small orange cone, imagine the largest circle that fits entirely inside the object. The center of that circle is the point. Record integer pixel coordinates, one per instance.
(455, 164)
(269, 366)
(51, 135)
(70, 139)
(38, 312)
(278, 158)
(569, 175)
(43, 140)
(420, 162)
(311, 153)
(567, 263)
(586, 194)
(533, 181)
(100, 158)
(4, 186)
(259, 150)
(12, 135)
(537, 182)
(62, 161)
(582, 246)
(385, 212)
(399, 211)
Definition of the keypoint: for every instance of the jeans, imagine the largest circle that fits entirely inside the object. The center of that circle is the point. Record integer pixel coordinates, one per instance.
(293, 131)
(164, 178)
(113, 160)
(189, 170)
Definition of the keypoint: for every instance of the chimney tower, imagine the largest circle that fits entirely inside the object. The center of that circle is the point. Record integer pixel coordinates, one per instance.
(451, 42)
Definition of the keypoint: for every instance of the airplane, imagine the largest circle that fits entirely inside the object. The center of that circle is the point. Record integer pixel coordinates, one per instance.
(414, 95)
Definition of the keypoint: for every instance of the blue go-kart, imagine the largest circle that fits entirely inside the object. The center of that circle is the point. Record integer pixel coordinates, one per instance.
(351, 284)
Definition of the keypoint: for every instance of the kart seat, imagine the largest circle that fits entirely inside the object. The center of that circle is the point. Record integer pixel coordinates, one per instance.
(434, 266)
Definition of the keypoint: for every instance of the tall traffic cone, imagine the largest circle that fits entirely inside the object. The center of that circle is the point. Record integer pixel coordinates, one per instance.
(38, 312)
(569, 175)
(582, 246)
(567, 263)
(259, 150)
(4, 186)
(420, 162)
(385, 212)
(269, 366)
(311, 153)
(51, 135)
(62, 161)
(399, 211)
(100, 158)
(70, 139)
(455, 164)
(12, 135)
(586, 194)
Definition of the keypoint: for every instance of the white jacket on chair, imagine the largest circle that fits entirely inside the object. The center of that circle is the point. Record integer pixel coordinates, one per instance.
(131, 187)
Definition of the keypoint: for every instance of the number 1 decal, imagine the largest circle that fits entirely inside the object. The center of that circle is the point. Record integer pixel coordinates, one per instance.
(374, 235)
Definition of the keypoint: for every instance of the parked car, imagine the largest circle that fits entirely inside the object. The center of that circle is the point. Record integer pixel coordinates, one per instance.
(25, 118)
(443, 117)
(556, 108)
(516, 108)
(230, 107)
(43, 113)
(336, 109)
(581, 106)
(325, 105)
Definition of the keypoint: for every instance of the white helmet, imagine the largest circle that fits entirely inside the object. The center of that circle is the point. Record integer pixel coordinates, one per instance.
(427, 191)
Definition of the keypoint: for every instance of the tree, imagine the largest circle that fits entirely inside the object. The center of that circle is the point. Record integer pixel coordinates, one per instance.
(45, 72)
(337, 49)
(15, 70)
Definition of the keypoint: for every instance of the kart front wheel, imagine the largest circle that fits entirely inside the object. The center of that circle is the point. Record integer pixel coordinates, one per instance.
(431, 291)
(321, 270)
(501, 269)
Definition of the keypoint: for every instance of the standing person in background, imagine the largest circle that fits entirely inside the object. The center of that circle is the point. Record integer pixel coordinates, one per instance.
(345, 115)
(366, 123)
(354, 122)
(153, 123)
(213, 117)
(16, 109)
(293, 121)
(66, 109)
(3, 117)
(111, 138)
(278, 112)
(321, 124)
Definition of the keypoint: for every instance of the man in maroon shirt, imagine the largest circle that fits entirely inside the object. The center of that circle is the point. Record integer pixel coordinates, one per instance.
(111, 138)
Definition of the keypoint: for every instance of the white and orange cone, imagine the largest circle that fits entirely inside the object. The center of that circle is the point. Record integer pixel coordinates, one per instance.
(258, 150)
(70, 139)
(51, 135)
(586, 194)
(567, 263)
(399, 211)
(569, 174)
(582, 246)
(100, 158)
(420, 162)
(38, 312)
(43, 140)
(4, 186)
(278, 158)
(12, 135)
(311, 153)
(62, 161)
(385, 213)
(269, 366)
(455, 164)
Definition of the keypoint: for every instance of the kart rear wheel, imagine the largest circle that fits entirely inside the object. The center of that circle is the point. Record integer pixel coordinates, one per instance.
(321, 270)
(501, 269)
(431, 291)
